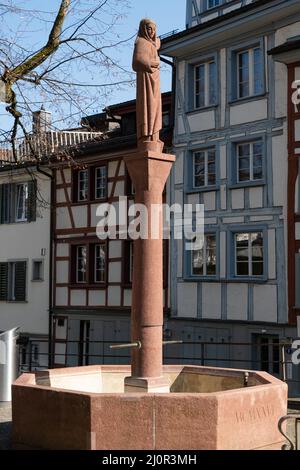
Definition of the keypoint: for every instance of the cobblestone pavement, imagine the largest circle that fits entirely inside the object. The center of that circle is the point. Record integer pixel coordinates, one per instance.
(5, 425)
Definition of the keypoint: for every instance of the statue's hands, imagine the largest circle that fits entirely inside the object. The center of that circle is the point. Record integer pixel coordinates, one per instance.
(155, 64)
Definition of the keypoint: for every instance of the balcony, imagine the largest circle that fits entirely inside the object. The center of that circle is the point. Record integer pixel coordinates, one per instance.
(44, 145)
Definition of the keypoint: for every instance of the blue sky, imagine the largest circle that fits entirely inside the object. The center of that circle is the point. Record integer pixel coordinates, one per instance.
(168, 14)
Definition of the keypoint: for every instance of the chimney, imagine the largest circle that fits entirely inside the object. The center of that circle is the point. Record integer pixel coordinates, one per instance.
(41, 121)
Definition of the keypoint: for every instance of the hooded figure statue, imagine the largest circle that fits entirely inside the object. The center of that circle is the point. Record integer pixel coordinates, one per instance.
(148, 100)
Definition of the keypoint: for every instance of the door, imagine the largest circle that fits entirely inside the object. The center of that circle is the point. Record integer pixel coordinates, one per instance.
(60, 338)
(266, 354)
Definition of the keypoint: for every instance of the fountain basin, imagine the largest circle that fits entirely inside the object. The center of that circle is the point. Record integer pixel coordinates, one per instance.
(85, 408)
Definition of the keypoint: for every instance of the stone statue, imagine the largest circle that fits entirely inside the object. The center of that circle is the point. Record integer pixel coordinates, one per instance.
(148, 100)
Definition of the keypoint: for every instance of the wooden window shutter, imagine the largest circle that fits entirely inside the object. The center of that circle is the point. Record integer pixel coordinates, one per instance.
(3, 281)
(5, 203)
(20, 281)
(1, 203)
(32, 193)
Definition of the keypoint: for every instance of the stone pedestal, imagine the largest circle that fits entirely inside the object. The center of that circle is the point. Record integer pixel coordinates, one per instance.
(146, 385)
(149, 171)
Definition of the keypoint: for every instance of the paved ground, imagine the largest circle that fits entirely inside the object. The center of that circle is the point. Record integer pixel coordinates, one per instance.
(5, 425)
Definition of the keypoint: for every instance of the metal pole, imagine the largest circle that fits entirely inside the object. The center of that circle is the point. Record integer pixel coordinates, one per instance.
(202, 353)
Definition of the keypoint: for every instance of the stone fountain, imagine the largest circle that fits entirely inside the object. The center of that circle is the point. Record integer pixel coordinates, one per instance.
(147, 405)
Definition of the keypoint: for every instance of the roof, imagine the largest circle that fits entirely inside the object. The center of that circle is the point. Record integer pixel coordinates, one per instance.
(131, 103)
(290, 45)
(116, 143)
(207, 24)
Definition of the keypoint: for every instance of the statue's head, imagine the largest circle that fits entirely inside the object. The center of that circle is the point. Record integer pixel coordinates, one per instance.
(147, 29)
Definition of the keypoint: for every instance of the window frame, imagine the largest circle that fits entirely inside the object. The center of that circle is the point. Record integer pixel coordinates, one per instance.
(189, 169)
(9, 202)
(208, 8)
(251, 72)
(232, 65)
(85, 281)
(24, 217)
(251, 161)
(95, 182)
(231, 253)
(204, 249)
(188, 259)
(91, 184)
(207, 84)
(95, 263)
(90, 273)
(78, 185)
(250, 254)
(232, 162)
(206, 173)
(33, 279)
(190, 85)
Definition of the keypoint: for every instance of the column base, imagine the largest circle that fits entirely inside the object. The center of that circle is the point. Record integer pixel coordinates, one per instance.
(146, 385)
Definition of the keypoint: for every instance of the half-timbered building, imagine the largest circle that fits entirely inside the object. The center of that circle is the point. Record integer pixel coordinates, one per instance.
(236, 140)
(92, 277)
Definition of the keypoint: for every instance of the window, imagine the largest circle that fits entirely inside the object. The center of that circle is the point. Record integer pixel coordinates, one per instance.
(83, 186)
(22, 202)
(35, 351)
(81, 264)
(249, 254)
(90, 184)
(18, 202)
(204, 167)
(249, 71)
(100, 263)
(89, 264)
(101, 182)
(37, 270)
(205, 84)
(128, 261)
(13, 281)
(166, 119)
(249, 161)
(204, 260)
(213, 3)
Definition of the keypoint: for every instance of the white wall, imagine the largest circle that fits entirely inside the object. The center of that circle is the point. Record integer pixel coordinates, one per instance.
(24, 241)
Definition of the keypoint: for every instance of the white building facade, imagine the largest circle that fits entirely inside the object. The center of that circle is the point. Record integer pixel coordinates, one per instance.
(231, 145)
(25, 257)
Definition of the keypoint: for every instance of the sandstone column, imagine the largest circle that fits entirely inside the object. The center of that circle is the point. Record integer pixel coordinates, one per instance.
(149, 171)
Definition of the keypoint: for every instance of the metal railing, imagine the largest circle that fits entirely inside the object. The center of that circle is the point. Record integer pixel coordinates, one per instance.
(170, 33)
(293, 436)
(44, 144)
(219, 354)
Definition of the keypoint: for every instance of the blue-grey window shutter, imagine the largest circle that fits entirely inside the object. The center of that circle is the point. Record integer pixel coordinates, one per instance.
(3, 281)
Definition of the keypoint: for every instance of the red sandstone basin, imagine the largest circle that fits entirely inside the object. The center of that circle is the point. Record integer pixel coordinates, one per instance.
(207, 408)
